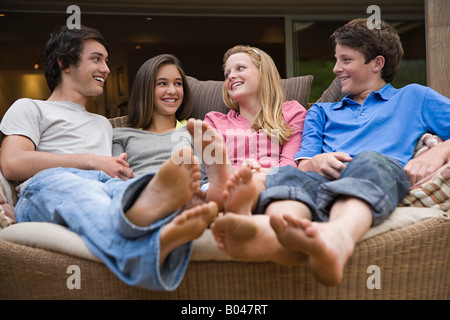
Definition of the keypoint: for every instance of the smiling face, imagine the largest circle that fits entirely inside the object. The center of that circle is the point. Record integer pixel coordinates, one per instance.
(241, 77)
(168, 90)
(356, 76)
(88, 77)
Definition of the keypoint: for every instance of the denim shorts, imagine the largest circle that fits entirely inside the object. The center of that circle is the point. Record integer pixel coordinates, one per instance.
(92, 204)
(377, 179)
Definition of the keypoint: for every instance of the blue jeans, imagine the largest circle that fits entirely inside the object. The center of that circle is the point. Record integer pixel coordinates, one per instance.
(375, 178)
(92, 204)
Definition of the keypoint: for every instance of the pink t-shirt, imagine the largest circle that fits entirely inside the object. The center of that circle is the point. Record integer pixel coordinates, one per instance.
(244, 143)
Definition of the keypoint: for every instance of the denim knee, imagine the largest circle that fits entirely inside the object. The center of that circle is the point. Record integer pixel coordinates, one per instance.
(385, 172)
(290, 183)
(377, 179)
(280, 193)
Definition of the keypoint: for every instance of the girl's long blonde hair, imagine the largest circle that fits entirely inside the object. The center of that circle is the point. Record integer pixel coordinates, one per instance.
(270, 92)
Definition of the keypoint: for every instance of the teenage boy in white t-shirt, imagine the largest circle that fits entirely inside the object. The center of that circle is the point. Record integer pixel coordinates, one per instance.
(63, 152)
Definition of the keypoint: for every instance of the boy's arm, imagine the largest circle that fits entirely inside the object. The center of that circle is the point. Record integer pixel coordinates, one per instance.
(311, 154)
(20, 161)
(427, 163)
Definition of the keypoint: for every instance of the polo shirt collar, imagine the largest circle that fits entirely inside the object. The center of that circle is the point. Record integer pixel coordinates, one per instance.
(385, 93)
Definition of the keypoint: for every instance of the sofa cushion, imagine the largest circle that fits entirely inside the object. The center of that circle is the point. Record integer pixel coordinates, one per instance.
(333, 93)
(48, 236)
(57, 238)
(8, 198)
(208, 94)
(425, 143)
(6, 215)
(434, 190)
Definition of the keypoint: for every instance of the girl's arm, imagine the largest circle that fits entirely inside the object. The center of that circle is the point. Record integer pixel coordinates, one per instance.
(294, 114)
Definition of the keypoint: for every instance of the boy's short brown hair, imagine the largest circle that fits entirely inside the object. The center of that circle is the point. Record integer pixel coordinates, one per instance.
(64, 48)
(372, 42)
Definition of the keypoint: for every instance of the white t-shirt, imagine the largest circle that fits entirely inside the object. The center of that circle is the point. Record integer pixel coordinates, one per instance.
(60, 127)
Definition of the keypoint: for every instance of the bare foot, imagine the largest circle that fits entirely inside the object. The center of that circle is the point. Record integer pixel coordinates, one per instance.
(327, 247)
(210, 144)
(250, 238)
(170, 189)
(288, 207)
(185, 227)
(198, 198)
(240, 195)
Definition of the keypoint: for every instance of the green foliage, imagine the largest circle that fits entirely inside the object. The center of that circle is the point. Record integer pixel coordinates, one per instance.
(411, 71)
(322, 70)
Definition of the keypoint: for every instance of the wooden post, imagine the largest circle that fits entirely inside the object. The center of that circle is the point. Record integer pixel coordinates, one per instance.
(437, 31)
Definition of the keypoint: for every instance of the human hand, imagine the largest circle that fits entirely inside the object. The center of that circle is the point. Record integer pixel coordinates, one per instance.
(428, 162)
(117, 167)
(330, 164)
(421, 167)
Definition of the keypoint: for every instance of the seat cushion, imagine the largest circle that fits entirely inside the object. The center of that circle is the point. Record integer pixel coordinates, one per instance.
(53, 237)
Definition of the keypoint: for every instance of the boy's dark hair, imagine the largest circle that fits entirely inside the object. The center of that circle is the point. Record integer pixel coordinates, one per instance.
(64, 49)
(142, 101)
(372, 42)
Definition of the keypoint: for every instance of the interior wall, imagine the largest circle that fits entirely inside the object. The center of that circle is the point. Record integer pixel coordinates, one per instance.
(198, 41)
(16, 84)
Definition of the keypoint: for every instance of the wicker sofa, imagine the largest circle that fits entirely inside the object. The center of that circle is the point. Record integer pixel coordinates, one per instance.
(411, 249)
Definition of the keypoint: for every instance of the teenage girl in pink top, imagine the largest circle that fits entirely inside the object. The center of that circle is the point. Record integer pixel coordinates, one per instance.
(261, 127)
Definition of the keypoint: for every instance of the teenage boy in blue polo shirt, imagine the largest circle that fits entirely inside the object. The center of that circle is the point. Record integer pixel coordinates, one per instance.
(355, 163)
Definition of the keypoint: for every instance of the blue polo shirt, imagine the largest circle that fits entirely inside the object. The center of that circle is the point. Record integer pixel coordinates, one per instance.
(390, 121)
